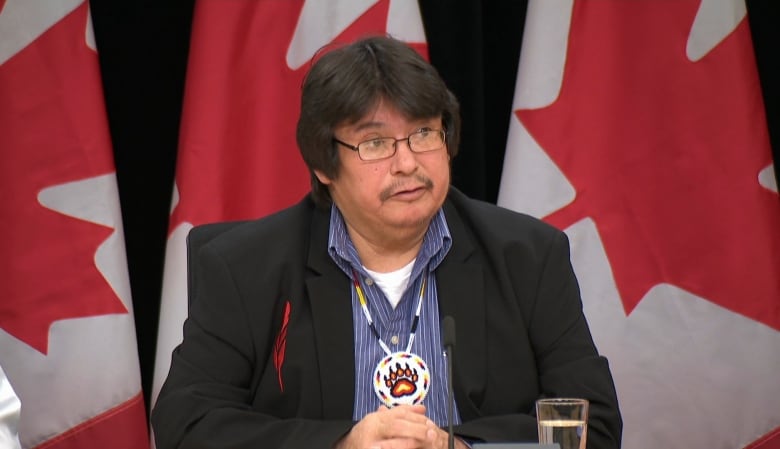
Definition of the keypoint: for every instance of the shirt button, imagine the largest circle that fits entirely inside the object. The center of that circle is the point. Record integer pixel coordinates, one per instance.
(394, 339)
(369, 281)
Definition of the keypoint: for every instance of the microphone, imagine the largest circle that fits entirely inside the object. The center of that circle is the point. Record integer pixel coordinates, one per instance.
(448, 339)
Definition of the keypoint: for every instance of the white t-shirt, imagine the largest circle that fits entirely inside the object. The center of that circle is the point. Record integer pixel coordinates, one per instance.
(394, 283)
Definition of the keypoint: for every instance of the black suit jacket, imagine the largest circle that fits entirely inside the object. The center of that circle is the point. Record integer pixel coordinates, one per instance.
(507, 281)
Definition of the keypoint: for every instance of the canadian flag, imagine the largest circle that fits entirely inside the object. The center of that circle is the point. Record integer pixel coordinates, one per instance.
(67, 335)
(238, 158)
(638, 127)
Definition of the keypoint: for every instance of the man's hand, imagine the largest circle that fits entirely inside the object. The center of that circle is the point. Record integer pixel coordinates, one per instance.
(402, 427)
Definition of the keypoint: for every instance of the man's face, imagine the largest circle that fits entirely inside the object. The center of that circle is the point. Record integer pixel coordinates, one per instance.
(390, 196)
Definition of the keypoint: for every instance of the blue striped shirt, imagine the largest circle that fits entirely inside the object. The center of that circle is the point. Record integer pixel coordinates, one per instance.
(396, 322)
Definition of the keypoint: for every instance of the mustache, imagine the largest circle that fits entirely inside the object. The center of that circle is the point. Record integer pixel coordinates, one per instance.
(401, 183)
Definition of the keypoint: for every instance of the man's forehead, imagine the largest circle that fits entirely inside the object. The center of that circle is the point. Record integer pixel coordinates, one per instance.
(380, 112)
(373, 122)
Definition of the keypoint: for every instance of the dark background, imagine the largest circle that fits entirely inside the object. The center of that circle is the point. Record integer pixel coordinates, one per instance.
(475, 45)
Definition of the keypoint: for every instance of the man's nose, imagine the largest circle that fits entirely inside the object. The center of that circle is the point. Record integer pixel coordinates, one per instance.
(404, 158)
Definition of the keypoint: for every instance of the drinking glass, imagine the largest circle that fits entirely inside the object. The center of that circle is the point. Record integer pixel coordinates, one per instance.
(563, 421)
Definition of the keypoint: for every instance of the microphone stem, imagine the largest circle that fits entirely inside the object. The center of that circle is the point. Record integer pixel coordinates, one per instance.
(451, 400)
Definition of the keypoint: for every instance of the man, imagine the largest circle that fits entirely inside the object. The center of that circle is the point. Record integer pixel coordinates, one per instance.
(319, 326)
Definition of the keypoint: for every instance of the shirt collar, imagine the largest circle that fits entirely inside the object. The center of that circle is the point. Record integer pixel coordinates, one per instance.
(436, 244)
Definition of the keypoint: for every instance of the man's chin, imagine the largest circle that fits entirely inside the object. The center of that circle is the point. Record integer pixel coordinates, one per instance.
(413, 220)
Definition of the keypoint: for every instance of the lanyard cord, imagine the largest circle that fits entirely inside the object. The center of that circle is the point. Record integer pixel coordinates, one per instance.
(367, 314)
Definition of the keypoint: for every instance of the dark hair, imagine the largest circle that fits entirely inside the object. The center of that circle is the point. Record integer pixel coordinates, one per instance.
(345, 83)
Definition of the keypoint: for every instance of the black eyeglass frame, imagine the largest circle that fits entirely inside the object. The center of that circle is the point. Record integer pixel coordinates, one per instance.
(356, 148)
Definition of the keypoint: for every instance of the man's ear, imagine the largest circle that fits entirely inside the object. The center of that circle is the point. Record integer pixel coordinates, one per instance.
(322, 177)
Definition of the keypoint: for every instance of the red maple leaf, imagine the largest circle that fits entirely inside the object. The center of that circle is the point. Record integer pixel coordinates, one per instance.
(53, 131)
(239, 157)
(664, 154)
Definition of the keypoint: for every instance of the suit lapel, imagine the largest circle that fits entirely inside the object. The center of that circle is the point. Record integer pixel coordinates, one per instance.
(331, 307)
(459, 282)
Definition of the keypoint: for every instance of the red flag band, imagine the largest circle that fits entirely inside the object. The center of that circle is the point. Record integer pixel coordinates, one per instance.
(68, 341)
(638, 127)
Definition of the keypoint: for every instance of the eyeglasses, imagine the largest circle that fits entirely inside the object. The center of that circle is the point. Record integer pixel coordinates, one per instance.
(421, 141)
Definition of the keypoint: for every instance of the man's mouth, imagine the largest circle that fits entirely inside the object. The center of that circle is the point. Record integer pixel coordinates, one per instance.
(409, 191)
